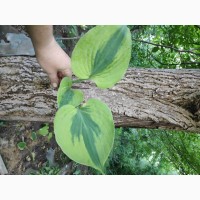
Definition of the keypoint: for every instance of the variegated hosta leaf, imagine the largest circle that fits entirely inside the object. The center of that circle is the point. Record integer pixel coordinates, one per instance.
(65, 84)
(103, 55)
(66, 95)
(85, 134)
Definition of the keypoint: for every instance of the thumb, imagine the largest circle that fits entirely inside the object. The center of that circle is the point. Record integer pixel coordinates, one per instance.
(54, 79)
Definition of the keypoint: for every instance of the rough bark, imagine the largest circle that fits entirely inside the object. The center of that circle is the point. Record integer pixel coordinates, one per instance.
(150, 98)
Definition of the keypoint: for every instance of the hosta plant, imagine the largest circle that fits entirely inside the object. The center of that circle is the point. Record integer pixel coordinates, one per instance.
(85, 130)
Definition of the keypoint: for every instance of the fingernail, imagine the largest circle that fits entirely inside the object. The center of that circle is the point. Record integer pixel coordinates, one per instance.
(55, 85)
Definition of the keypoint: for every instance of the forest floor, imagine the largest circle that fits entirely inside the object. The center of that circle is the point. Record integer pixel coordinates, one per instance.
(42, 155)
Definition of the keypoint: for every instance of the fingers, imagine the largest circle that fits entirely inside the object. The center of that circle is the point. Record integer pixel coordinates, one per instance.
(54, 79)
(66, 72)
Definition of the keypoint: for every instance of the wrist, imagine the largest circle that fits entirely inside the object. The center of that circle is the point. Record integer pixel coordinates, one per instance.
(41, 35)
(46, 46)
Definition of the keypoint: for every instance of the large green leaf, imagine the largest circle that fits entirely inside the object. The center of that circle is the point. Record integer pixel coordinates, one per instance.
(85, 134)
(103, 55)
(66, 95)
(72, 97)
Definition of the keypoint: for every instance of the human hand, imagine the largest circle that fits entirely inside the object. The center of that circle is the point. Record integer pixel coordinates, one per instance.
(54, 61)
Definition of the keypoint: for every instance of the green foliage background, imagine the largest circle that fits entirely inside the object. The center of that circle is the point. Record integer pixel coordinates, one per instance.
(145, 151)
(173, 47)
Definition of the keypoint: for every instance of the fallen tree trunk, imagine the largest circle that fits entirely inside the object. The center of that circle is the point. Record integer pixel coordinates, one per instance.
(149, 98)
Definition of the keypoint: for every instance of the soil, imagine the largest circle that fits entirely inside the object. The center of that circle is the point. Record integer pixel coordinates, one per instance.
(19, 162)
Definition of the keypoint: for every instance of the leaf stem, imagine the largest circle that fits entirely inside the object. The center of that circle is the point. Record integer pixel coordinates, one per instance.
(78, 80)
(68, 38)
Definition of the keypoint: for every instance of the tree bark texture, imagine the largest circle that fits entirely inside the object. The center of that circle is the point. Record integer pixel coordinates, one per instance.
(148, 98)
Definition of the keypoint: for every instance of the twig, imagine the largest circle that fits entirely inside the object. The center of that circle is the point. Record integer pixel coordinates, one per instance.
(72, 38)
(159, 45)
(182, 63)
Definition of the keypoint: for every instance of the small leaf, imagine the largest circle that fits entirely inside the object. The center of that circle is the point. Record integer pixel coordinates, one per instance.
(103, 55)
(85, 134)
(21, 145)
(44, 130)
(50, 136)
(74, 30)
(66, 95)
(155, 49)
(33, 136)
(77, 172)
